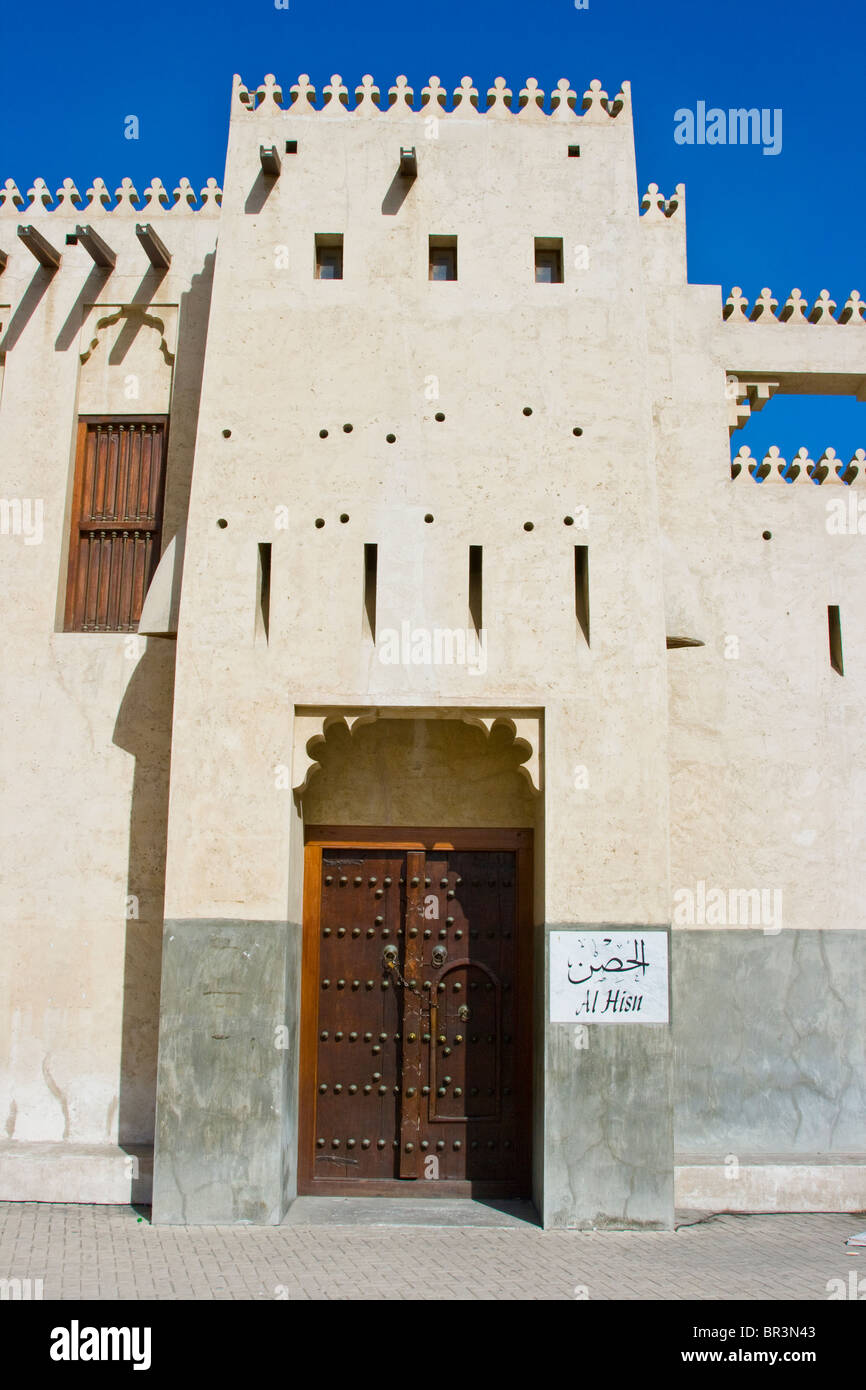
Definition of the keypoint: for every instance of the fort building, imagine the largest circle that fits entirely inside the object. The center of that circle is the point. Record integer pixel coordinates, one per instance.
(434, 757)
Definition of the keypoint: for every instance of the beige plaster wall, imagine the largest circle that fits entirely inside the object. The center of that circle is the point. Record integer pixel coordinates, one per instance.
(88, 716)
(289, 356)
(767, 741)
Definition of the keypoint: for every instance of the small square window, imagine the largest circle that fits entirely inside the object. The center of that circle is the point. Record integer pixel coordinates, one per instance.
(443, 258)
(574, 151)
(291, 147)
(329, 257)
(548, 260)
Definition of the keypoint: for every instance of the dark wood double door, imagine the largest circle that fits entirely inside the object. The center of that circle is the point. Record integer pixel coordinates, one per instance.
(416, 1028)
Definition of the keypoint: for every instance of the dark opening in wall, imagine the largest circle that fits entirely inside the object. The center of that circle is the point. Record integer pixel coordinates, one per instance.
(371, 563)
(476, 585)
(329, 256)
(264, 587)
(581, 588)
(835, 629)
(548, 260)
(443, 258)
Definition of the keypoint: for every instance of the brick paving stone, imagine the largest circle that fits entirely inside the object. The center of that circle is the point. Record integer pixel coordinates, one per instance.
(108, 1253)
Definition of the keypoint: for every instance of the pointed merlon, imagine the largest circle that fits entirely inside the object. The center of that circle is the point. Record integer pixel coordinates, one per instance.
(68, 197)
(563, 100)
(211, 195)
(367, 95)
(764, 308)
(184, 193)
(240, 93)
(802, 469)
(98, 196)
(652, 202)
(565, 105)
(10, 197)
(499, 99)
(736, 305)
(466, 98)
(400, 96)
(595, 102)
(336, 95)
(270, 95)
(155, 196)
(39, 194)
(655, 205)
(532, 101)
(853, 309)
(433, 95)
(302, 93)
(823, 310)
(794, 308)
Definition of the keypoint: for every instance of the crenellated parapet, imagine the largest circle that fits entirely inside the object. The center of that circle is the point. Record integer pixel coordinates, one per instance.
(656, 208)
(530, 103)
(795, 308)
(68, 201)
(801, 468)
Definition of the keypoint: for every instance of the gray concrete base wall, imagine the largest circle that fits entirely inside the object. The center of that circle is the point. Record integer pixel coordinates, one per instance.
(227, 1081)
(608, 1123)
(769, 1042)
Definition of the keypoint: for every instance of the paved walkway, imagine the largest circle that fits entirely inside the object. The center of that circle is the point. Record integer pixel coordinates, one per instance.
(473, 1252)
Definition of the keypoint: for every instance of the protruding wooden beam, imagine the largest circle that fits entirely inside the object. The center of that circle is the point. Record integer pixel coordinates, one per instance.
(271, 163)
(157, 253)
(408, 162)
(99, 252)
(3, 259)
(39, 247)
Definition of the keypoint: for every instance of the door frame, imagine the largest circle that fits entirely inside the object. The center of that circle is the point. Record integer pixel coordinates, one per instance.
(320, 837)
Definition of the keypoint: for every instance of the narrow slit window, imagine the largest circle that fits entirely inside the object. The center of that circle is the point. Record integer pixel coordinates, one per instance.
(476, 583)
(835, 629)
(443, 258)
(371, 565)
(548, 260)
(329, 257)
(264, 589)
(581, 588)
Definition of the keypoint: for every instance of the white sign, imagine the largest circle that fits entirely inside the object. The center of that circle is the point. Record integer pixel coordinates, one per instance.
(617, 975)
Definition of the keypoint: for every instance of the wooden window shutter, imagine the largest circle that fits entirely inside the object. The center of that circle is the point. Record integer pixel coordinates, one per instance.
(116, 521)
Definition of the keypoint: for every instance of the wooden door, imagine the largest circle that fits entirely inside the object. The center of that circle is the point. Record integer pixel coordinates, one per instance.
(416, 1029)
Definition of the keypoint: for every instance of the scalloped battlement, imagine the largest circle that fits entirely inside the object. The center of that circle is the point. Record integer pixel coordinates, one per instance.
(654, 207)
(774, 468)
(500, 101)
(794, 310)
(69, 201)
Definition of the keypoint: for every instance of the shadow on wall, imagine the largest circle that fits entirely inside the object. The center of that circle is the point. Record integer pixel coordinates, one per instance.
(436, 772)
(143, 729)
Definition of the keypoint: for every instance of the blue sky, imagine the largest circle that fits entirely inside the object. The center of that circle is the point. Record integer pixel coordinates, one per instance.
(797, 218)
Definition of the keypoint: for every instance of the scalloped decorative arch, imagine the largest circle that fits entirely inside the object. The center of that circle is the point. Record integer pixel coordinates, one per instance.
(130, 311)
(312, 726)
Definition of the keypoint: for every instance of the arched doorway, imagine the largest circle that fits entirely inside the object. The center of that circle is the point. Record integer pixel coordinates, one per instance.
(416, 1033)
